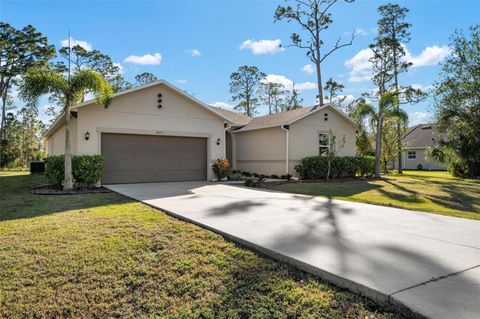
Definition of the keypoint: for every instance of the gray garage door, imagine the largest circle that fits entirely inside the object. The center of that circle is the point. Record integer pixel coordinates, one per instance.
(133, 158)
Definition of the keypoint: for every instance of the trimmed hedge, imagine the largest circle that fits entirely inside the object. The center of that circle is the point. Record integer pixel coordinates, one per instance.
(316, 167)
(87, 170)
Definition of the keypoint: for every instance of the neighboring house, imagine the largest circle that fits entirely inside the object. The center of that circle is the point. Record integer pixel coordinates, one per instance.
(415, 143)
(158, 132)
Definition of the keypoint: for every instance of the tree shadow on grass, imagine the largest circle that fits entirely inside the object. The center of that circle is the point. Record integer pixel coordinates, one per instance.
(17, 200)
(331, 189)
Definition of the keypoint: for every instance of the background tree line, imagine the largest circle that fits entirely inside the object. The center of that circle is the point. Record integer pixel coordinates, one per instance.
(25, 49)
(379, 113)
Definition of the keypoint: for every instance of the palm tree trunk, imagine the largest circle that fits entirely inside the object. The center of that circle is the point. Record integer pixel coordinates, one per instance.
(378, 147)
(2, 125)
(319, 83)
(68, 181)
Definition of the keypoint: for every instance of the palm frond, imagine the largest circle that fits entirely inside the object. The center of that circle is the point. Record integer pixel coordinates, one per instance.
(388, 100)
(38, 82)
(89, 80)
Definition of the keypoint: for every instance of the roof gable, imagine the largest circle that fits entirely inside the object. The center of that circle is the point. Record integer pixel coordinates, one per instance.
(59, 121)
(289, 117)
(421, 136)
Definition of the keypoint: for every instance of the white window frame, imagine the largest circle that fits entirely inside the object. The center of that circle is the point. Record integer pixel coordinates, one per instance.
(414, 155)
(322, 145)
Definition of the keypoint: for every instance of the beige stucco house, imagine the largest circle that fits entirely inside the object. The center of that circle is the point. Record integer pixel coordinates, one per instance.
(160, 133)
(415, 143)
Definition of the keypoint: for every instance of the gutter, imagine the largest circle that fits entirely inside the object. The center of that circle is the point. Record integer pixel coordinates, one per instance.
(286, 128)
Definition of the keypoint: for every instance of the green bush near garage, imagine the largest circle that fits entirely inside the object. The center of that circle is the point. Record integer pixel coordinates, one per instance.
(87, 170)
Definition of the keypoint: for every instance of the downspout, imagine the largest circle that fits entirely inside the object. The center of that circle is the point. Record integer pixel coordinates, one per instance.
(226, 126)
(286, 128)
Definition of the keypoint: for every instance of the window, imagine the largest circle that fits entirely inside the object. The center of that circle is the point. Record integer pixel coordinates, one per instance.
(412, 155)
(323, 143)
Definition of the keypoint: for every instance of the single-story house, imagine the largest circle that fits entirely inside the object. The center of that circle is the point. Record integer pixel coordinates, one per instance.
(416, 142)
(158, 132)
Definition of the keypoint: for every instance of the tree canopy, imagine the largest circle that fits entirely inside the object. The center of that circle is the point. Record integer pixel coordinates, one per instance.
(457, 104)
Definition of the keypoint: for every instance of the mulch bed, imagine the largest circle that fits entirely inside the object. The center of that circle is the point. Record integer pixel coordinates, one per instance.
(47, 190)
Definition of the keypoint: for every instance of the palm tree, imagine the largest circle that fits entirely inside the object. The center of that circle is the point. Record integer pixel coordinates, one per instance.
(386, 109)
(70, 90)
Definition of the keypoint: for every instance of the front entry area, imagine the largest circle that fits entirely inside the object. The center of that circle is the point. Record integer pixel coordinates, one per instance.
(131, 158)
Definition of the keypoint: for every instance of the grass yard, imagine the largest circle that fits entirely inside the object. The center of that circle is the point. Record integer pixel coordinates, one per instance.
(103, 255)
(435, 192)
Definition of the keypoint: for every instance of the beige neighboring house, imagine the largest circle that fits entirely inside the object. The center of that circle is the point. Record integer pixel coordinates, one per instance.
(158, 132)
(415, 143)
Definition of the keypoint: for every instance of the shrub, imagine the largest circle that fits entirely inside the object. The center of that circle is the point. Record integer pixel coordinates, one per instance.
(366, 166)
(316, 167)
(87, 170)
(221, 168)
(247, 174)
(54, 170)
(274, 176)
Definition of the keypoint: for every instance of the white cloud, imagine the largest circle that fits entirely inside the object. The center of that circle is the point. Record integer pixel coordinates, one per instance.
(360, 65)
(73, 42)
(424, 88)
(121, 69)
(147, 59)
(287, 83)
(305, 86)
(262, 46)
(429, 56)
(181, 81)
(308, 68)
(357, 31)
(194, 52)
(223, 105)
(415, 118)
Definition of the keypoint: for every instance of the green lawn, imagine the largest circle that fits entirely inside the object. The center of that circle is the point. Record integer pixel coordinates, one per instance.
(435, 192)
(103, 255)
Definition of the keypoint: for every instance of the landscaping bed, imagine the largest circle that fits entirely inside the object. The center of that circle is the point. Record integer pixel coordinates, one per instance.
(47, 190)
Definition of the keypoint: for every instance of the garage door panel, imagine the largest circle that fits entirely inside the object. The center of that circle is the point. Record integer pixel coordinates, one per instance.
(133, 158)
(139, 164)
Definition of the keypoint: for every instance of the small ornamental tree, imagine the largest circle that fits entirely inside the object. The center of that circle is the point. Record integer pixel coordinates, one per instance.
(332, 151)
(221, 168)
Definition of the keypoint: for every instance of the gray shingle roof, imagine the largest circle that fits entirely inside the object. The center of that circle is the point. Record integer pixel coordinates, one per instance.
(237, 118)
(276, 119)
(245, 123)
(421, 135)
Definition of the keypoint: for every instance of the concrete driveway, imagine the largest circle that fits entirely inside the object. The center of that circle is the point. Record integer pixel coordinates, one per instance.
(426, 262)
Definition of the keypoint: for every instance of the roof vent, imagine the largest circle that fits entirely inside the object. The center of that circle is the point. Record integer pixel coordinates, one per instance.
(426, 127)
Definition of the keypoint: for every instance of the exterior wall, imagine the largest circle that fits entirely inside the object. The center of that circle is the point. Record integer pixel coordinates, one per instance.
(56, 143)
(138, 113)
(304, 136)
(420, 160)
(260, 151)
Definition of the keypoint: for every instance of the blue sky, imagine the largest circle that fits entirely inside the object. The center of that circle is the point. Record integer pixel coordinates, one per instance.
(159, 36)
